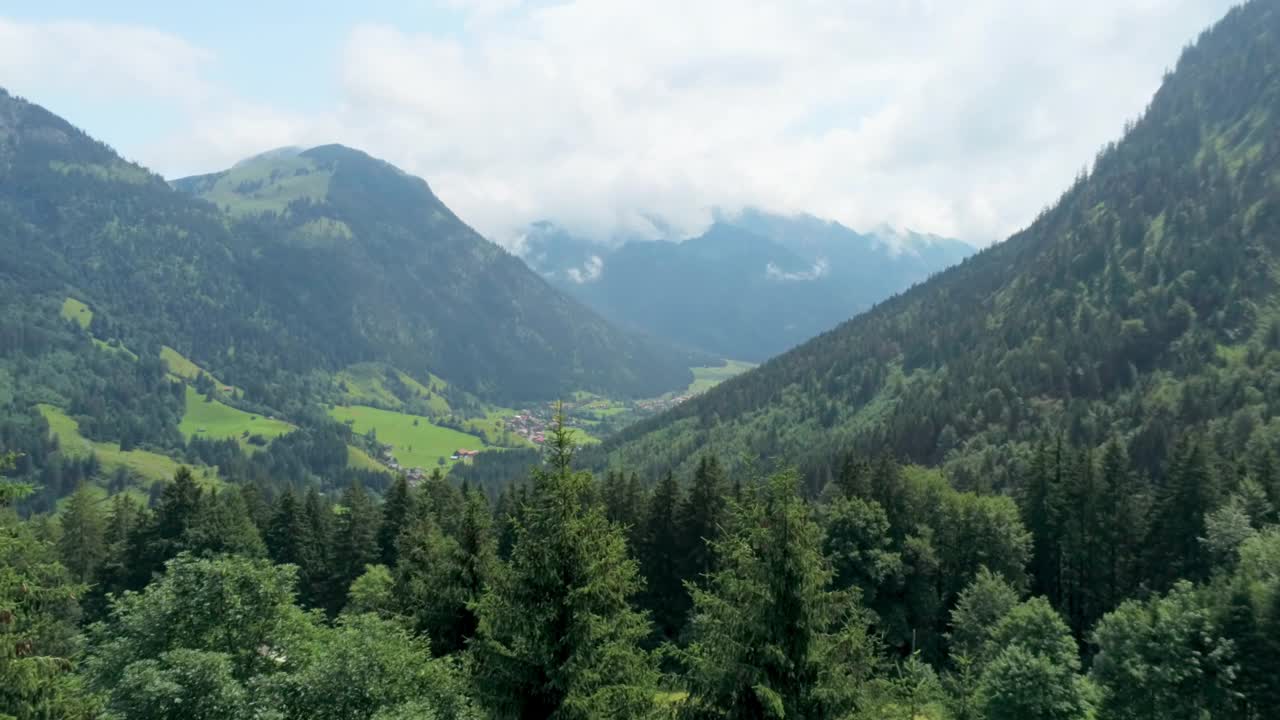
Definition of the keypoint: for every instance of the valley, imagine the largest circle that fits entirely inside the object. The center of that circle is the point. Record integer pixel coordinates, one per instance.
(292, 440)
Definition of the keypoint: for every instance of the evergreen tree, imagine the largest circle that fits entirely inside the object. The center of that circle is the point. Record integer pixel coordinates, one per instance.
(1123, 519)
(1185, 499)
(38, 613)
(1041, 507)
(320, 582)
(397, 510)
(769, 638)
(556, 637)
(703, 515)
(153, 544)
(355, 542)
(977, 613)
(82, 544)
(440, 578)
(223, 526)
(661, 553)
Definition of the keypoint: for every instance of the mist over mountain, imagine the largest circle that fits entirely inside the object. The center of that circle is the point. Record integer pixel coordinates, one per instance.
(751, 286)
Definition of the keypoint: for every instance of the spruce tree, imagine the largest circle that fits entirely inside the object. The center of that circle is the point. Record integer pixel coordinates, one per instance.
(703, 514)
(397, 511)
(770, 639)
(1187, 495)
(557, 637)
(661, 560)
(355, 542)
(223, 526)
(38, 612)
(82, 544)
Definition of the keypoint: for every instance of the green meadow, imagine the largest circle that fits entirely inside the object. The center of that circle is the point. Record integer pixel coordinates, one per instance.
(421, 445)
(216, 420)
(73, 309)
(148, 465)
(705, 378)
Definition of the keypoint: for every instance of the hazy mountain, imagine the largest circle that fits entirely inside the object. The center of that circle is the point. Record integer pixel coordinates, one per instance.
(751, 286)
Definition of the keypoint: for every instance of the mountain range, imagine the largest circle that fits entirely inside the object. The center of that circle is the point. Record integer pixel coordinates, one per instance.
(296, 262)
(751, 286)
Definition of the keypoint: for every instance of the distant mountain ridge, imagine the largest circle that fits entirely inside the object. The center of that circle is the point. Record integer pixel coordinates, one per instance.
(751, 286)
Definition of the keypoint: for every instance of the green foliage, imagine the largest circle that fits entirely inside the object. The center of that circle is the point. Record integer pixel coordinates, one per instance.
(38, 614)
(979, 610)
(180, 684)
(372, 592)
(557, 637)
(769, 638)
(1022, 685)
(1163, 658)
(363, 666)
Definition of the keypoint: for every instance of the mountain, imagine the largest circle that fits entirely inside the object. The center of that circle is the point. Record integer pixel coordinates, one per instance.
(1141, 306)
(371, 255)
(299, 261)
(753, 285)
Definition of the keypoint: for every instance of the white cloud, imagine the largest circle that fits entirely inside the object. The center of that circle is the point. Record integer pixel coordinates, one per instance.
(589, 272)
(101, 60)
(819, 269)
(962, 119)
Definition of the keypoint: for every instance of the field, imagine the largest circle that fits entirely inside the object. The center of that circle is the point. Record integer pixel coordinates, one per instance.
(150, 466)
(278, 184)
(73, 309)
(178, 364)
(218, 421)
(705, 378)
(365, 385)
(360, 460)
(421, 445)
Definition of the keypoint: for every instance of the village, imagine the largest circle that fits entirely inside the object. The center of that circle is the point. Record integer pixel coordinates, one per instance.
(594, 415)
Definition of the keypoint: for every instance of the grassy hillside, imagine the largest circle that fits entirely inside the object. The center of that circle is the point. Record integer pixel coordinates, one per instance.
(148, 465)
(415, 441)
(367, 384)
(215, 420)
(77, 311)
(705, 378)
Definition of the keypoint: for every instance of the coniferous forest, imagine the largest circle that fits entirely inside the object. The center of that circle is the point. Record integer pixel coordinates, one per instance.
(1041, 485)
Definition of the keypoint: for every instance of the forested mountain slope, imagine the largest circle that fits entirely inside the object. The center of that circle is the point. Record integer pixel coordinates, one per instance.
(1140, 305)
(369, 254)
(345, 260)
(753, 285)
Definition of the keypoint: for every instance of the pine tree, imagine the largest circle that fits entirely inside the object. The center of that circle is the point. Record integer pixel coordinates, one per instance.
(83, 543)
(702, 515)
(1186, 497)
(770, 639)
(557, 637)
(355, 542)
(38, 612)
(661, 554)
(1041, 502)
(223, 526)
(1122, 512)
(165, 535)
(397, 510)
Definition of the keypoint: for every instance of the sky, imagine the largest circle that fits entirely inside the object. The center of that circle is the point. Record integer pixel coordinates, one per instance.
(961, 119)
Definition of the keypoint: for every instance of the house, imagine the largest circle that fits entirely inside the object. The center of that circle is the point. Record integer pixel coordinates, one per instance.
(460, 453)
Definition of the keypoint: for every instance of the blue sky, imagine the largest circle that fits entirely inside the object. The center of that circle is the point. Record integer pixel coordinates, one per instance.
(962, 119)
(271, 52)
